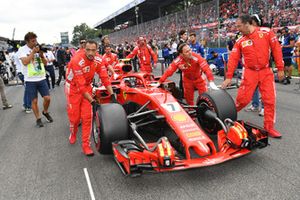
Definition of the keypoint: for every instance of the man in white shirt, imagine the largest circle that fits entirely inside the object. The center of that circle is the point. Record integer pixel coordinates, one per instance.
(49, 68)
(33, 61)
(174, 49)
(19, 69)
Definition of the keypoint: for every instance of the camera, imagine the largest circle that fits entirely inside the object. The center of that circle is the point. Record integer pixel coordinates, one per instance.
(43, 48)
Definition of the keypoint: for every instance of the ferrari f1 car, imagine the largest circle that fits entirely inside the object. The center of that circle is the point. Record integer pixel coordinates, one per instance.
(152, 130)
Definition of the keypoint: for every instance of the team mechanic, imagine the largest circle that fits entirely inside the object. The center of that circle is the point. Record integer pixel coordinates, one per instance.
(78, 90)
(111, 59)
(192, 65)
(254, 48)
(144, 53)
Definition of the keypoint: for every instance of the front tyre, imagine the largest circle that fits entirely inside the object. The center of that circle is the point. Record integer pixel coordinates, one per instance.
(109, 124)
(221, 103)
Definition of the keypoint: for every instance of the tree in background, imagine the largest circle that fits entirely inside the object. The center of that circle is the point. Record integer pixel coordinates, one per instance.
(83, 30)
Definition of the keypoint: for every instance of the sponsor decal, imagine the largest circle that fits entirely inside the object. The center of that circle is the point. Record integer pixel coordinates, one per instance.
(179, 117)
(171, 107)
(98, 59)
(81, 62)
(247, 43)
(86, 69)
(193, 134)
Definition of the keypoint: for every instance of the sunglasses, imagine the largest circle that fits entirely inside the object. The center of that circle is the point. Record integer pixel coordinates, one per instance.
(82, 42)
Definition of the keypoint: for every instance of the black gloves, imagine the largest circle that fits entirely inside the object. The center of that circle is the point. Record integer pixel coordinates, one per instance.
(113, 98)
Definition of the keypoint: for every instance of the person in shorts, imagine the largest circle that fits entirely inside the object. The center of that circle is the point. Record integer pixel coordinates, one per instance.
(34, 63)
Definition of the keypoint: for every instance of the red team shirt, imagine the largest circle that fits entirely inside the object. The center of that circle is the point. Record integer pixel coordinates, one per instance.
(255, 51)
(111, 59)
(192, 70)
(81, 72)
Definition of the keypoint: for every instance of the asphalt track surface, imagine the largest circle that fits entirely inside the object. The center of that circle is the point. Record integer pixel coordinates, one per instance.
(39, 163)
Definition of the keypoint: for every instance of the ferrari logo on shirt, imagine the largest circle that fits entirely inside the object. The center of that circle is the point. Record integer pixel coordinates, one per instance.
(184, 66)
(247, 43)
(124, 95)
(261, 35)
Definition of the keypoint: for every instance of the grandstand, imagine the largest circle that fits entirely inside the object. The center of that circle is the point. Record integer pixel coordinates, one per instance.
(212, 20)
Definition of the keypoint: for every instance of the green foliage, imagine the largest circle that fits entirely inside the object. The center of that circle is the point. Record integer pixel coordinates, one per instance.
(84, 31)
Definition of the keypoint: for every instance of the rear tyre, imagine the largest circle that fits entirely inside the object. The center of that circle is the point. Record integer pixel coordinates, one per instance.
(221, 103)
(109, 124)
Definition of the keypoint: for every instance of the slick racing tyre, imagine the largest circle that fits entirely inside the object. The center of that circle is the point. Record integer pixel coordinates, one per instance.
(221, 103)
(109, 124)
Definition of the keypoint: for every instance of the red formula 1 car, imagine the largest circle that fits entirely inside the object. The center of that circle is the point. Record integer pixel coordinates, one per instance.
(151, 130)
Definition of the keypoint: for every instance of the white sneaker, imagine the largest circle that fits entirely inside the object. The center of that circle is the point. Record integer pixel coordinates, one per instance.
(251, 108)
(261, 112)
(28, 110)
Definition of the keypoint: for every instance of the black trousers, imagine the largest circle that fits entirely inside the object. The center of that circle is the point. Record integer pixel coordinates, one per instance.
(51, 74)
(61, 73)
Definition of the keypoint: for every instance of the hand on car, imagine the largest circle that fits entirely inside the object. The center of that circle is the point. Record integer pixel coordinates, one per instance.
(213, 86)
(226, 83)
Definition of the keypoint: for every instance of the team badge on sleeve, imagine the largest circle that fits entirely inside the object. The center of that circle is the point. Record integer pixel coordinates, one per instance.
(247, 43)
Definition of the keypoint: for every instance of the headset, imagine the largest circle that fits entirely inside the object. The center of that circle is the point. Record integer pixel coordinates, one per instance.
(259, 21)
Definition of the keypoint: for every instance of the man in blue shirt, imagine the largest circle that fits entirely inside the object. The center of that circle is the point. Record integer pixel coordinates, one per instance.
(194, 45)
(288, 43)
(218, 60)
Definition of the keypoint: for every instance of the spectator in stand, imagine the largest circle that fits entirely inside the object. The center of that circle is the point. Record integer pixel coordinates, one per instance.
(50, 68)
(33, 61)
(257, 71)
(144, 53)
(196, 46)
(288, 43)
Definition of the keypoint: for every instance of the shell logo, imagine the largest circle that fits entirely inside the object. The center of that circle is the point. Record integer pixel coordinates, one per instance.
(179, 117)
